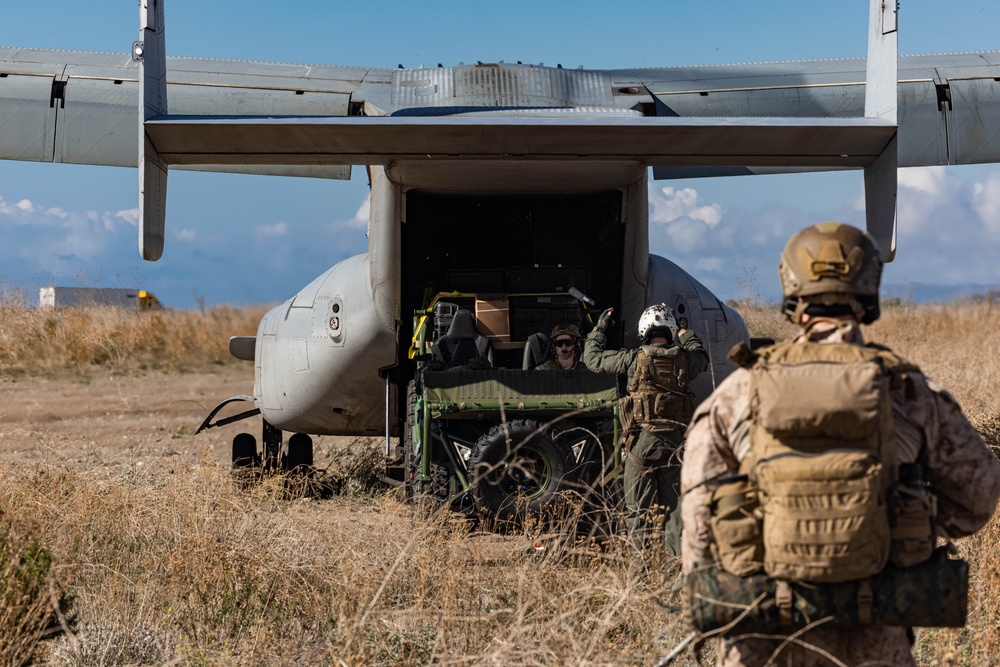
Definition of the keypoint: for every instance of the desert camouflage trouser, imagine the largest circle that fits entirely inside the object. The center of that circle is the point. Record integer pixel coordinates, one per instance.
(652, 490)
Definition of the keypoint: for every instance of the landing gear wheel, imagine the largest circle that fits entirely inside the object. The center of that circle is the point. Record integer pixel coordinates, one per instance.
(300, 453)
(245, 452)
(519, 469)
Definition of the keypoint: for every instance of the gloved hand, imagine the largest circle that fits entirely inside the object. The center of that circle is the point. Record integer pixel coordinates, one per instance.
(605, 321)
(682, 324)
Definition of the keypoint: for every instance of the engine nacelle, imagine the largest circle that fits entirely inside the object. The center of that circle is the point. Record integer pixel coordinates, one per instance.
(317, 356)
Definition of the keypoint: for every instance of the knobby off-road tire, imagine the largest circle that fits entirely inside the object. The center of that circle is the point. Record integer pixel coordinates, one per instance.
(411, 472)
(518, 469)
(437, 488)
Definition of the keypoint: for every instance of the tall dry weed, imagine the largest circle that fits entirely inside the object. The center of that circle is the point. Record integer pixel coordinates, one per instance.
(34, 341)
(185, 566)
(35, 602)
(189, 567)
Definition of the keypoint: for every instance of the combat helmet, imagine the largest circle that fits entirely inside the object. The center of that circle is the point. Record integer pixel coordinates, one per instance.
(657, 320)
(830, 269)
(565, 329)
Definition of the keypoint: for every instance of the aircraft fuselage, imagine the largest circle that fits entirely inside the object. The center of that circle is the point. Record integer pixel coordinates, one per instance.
(489, 227)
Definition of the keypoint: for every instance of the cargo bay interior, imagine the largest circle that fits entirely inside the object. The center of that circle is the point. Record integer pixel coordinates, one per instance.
(520, 253)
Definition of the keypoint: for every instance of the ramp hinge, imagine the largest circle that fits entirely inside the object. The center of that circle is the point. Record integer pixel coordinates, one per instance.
(943, 95)
(58, 93)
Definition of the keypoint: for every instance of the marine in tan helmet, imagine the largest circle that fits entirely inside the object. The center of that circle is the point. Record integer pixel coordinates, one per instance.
(825, 475)
(565, 348)
(831, 269)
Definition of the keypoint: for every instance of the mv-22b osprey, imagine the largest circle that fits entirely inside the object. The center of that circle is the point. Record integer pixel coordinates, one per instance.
(479, 174)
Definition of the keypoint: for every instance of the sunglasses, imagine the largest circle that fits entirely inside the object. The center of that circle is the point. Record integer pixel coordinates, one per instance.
(565, 342)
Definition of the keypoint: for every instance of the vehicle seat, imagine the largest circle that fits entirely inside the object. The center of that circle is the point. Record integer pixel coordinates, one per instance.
(537, 350)
(462, 342)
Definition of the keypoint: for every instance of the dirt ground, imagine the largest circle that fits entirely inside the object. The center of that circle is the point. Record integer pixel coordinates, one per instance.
(137, 420)
(110, 425)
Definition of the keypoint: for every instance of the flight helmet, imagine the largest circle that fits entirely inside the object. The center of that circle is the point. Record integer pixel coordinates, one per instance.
(656, 321)
(830, 269)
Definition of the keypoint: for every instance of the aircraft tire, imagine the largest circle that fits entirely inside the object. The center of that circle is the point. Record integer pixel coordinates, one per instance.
(300, 453)
(245, 451)
(512, 481)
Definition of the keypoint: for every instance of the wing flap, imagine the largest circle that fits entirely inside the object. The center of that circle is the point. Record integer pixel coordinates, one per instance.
(27, 117)
(835, 142)
(973, 108)
(80, 107)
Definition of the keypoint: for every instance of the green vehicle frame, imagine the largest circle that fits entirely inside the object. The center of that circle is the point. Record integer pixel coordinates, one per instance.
(508, 441)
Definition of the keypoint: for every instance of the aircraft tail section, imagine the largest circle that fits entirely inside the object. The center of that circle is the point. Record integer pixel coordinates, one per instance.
(150, 52)
(880, 102)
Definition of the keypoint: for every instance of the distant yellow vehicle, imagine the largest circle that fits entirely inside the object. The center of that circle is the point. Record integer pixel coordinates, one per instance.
(91, 297)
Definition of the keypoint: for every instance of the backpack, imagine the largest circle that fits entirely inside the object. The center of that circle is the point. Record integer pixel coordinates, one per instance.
(660, 399)
(821, 519)
(822, 463)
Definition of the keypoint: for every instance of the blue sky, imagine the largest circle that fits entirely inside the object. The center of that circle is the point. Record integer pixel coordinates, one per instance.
(243, 239)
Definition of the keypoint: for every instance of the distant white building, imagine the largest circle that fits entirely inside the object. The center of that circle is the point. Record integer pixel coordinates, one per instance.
(91, 297)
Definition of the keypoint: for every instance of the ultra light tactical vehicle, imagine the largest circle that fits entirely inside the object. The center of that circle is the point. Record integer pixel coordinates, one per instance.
(486, 429)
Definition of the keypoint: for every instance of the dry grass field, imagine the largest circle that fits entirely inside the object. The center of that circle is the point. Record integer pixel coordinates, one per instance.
(111, 506)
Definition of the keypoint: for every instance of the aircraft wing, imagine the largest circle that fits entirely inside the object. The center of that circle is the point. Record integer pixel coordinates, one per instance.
(76, 107)
(80, 108)
(948, 104)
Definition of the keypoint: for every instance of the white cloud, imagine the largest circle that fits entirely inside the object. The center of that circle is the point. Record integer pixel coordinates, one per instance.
(949, 230)
(277, 229)
(57, 212)
(931, 180)
(26, 206)
(686, 235)
(986, 202)
(710, 215)
(679, 220)
(670, 205)
(187, 235)
(712, 264)
(858, 202)
(360, 219)
(929, 200)
(15, 210)
(129, 215)
(348, 229)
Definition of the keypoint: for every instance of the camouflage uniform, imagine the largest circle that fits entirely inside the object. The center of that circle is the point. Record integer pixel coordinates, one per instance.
(652, 463)
(930, 429)
(553, 365)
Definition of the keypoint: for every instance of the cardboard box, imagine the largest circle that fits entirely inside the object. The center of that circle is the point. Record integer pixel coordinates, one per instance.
(493, 317)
